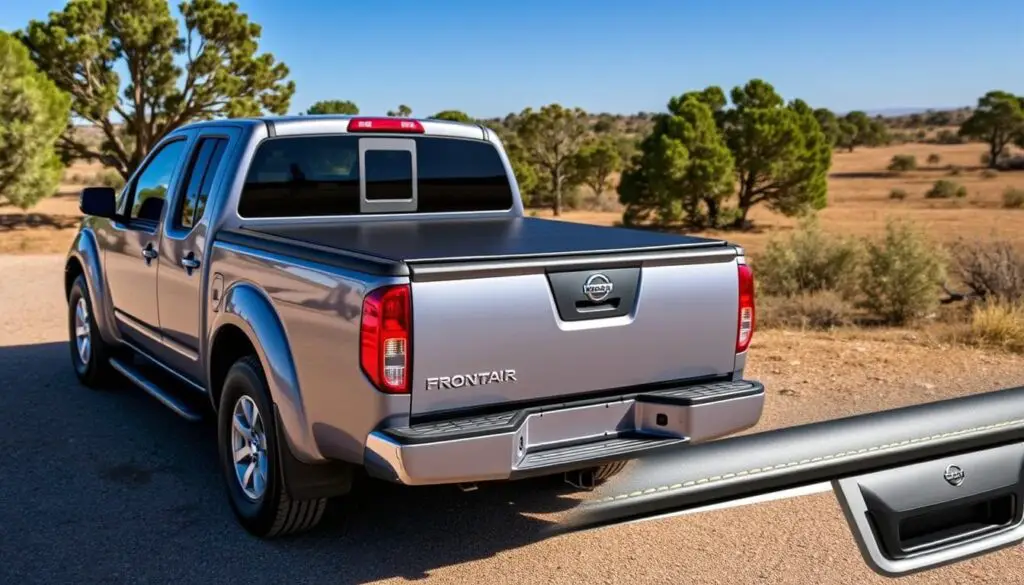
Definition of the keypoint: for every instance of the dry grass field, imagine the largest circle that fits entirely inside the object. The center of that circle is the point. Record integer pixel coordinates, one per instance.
(859, 202)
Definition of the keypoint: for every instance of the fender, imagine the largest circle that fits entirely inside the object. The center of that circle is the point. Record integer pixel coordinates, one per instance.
(86, 251)
(248, 307)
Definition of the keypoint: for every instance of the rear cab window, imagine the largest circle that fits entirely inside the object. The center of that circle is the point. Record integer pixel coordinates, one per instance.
(350, 174)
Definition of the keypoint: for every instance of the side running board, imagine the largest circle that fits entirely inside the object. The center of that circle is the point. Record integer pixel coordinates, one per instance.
(921, 486)
(171, 400)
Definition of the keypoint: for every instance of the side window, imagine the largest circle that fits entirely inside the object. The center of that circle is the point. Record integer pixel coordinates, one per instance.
(150, 190)
(201, 173)
(211, 174)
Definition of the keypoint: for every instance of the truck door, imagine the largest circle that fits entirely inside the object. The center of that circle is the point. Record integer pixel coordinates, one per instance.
(180, 276)
(131, 259)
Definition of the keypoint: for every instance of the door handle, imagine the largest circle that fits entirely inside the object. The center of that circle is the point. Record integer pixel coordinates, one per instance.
(149, 254)
(189, 263)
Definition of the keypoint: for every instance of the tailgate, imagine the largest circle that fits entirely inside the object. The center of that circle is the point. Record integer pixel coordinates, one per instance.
(486, 334)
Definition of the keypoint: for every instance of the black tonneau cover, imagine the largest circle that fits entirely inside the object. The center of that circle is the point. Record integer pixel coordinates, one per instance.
(440, 241)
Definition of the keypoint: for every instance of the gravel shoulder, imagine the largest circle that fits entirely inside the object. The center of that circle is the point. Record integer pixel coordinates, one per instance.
(107, 486)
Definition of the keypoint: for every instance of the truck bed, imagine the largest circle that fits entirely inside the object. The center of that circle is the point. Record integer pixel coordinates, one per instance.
(510, 295)
(439, 241)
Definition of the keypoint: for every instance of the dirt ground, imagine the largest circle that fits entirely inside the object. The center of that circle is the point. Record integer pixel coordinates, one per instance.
(120, 490)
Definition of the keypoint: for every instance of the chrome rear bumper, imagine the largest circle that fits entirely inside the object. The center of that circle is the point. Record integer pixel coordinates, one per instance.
(552, 439)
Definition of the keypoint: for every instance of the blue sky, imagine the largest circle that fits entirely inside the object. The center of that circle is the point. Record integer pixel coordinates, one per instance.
(491, 58)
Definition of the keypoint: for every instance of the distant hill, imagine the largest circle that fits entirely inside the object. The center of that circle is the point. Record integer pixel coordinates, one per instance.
(897, 112)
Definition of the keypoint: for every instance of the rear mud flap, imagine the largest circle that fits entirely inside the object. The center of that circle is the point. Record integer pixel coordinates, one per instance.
(921, 487)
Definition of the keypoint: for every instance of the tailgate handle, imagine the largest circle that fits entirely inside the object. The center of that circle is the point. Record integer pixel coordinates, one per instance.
(910, 533)
(592, 307)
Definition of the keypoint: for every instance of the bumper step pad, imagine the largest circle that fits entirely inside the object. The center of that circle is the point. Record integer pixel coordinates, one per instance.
(552, 438)
(551, 460)
(474, 426)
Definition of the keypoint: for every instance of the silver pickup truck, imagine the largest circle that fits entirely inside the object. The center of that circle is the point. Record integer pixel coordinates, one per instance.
(348, 293)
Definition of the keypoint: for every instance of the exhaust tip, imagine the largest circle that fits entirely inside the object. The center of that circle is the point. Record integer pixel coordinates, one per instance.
(468, 487)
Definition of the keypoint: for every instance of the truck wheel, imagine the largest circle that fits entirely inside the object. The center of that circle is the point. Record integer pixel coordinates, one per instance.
(251, 461)
(606, 471)
(89, 353)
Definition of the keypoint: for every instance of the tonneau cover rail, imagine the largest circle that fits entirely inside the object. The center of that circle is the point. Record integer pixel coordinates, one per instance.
(711, 252)
(338, 258)
(950, 433)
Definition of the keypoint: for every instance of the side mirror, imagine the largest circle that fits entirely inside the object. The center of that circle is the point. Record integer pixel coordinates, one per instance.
(98, 202)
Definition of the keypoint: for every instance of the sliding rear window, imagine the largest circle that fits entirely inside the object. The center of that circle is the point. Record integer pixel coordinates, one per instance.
(321, 175)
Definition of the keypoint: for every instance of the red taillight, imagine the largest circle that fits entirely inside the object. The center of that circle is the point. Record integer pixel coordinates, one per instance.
(384, 344)
(745, 316)
(384, 125)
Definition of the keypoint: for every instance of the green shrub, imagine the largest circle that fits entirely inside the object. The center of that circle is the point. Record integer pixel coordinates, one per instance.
(1003, 159)
(902, 275)
(1011, 163)
(954, 170)
(820, 310)
(946, 189)
(902, 162)
(899, 194)
(948, 137)
(809, 261)
(110, 178)
(989, 174)
(1013, 198)
(934, 159)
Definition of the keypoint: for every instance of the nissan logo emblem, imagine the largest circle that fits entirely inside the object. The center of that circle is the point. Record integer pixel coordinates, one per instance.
(597, 287)
(953, 475)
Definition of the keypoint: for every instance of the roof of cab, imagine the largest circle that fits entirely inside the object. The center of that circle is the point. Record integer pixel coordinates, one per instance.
(297, 125)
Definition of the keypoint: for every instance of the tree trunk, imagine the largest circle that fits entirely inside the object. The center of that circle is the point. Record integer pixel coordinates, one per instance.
(713, 211)
(556, 180)
(741, 220)
(744, 200)
(994, 150)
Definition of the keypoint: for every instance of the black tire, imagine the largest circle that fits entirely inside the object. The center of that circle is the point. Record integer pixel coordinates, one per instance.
(95, 371)
(273, 513)
(606, 471)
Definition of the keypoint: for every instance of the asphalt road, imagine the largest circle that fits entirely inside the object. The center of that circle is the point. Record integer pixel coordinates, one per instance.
(109, 487)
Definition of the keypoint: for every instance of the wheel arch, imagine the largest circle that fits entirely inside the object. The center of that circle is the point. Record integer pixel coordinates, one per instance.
(83, 259)
(247, 323)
